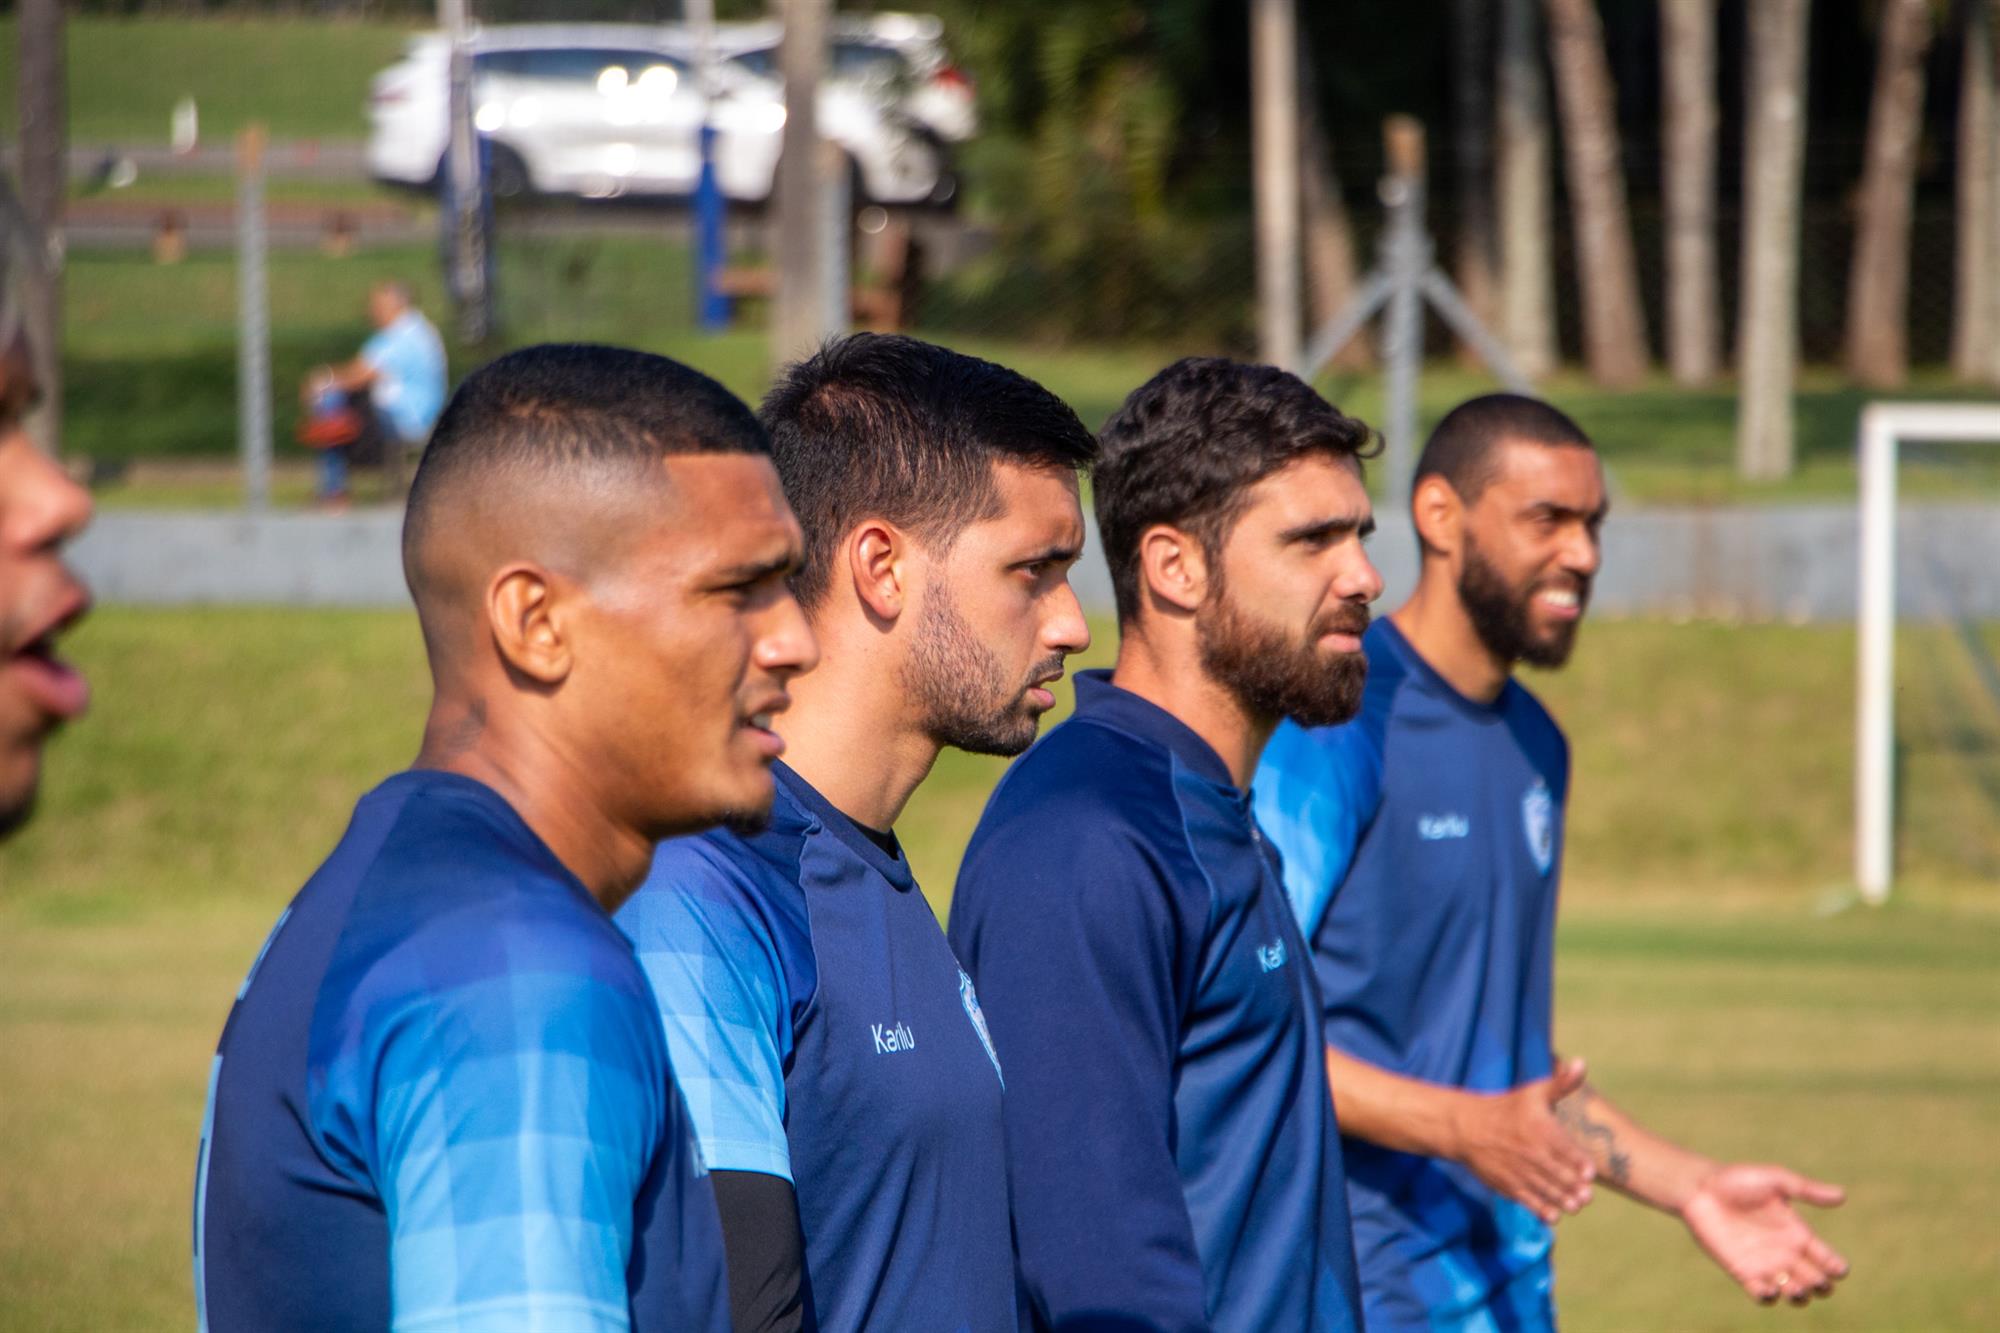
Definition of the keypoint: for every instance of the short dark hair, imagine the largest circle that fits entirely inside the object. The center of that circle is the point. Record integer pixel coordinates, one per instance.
(1187, 445)
(1464, 449)
(569, 408)
(887, 426)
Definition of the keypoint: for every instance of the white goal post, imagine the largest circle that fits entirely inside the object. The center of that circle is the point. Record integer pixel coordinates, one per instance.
(1884, 427)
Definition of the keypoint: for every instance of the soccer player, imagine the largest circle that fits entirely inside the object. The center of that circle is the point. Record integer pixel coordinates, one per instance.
(443, 1100)
(1433, 822)
(40, 509)
(837, 1067)
(1173, 1153)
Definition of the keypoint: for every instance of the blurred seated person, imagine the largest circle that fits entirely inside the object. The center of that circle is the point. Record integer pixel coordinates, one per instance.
(380, 406)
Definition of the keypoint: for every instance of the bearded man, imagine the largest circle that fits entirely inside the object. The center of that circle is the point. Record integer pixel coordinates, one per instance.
(1172, 1147)
(837, 1066)
(1422, 843)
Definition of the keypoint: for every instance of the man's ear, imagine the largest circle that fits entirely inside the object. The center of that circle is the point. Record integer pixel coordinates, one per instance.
(526, 613)
(877, 556)
(1439, 515)
(1173, 566)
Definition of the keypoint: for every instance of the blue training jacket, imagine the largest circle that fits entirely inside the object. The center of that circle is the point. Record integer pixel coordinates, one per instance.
(824, 1033)
(1422, 843)
(442, 1100)
(1171, 1139)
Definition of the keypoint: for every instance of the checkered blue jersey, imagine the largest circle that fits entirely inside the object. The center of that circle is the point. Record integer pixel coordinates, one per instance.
(823, 1032)
(1171, 1140)
(1422, 843)
(442, 1100)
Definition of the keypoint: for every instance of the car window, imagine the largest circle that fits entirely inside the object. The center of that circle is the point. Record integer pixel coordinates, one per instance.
(869, 61)
(575, 64)
(852, 60)
(763, 62)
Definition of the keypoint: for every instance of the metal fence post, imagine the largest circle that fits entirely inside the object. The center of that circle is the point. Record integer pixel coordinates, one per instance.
(469, 275)
(253, 324)
(1403, 331)
(836, 201)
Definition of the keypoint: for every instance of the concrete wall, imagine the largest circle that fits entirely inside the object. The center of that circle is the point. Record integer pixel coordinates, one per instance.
(1772, 562)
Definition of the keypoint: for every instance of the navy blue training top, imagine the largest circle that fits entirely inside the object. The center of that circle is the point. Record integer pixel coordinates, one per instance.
(1171, 1139)
(824, 1032)
(442, 1100)
(1422, 843)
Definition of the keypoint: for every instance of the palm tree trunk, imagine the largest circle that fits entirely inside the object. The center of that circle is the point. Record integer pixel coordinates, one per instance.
(1694, 299)
(1473, 252)
(1973, 331)
(1527, 272)
(1773, 168)
(1878, 284)
(1614, 329)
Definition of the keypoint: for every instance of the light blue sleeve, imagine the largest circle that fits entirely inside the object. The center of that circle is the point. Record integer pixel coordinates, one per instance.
(515, 1116)
(715, 970)
(1314, 795)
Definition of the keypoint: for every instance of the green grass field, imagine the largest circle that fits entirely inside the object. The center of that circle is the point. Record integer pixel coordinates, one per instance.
(1698, 970)
(151, 364)
(302, 80)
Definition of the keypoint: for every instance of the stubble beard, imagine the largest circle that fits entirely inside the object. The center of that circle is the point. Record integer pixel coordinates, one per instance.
(963, 695)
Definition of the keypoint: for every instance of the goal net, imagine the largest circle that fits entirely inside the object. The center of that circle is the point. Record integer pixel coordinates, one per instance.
(1927, 752)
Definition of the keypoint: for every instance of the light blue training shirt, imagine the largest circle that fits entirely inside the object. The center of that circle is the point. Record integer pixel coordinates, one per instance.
(409, 390)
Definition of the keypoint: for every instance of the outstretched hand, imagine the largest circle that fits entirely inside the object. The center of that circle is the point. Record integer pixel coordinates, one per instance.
(1513, 1141)
(1743, 1216)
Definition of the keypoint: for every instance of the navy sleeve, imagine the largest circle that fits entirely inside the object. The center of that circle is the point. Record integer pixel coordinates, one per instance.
(1082, 946)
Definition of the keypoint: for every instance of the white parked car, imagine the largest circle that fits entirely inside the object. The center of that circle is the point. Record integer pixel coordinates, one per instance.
(900, 56)
(603, 110)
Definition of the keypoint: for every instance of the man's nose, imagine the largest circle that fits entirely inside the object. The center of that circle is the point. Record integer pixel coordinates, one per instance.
(46, 508)
(788, 643)
(1583, 552)
(1067, 630)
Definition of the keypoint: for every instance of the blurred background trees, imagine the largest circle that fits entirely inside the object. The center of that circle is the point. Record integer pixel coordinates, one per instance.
(1632, 186)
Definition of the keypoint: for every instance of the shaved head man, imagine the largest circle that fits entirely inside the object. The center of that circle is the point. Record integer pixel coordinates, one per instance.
(443, 1097)
(1422, 845)
(40, 509)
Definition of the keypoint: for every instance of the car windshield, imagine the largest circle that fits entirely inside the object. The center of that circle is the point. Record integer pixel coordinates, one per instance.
(858, 62)
(581, 65)
(868, 61)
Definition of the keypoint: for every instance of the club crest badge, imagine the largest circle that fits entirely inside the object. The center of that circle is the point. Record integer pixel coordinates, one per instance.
(969, 997)
(1538, 821)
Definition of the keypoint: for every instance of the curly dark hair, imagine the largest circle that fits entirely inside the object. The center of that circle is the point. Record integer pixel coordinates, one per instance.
(1188, 443)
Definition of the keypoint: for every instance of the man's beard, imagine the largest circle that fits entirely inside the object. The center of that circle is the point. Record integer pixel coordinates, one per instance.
(1274, 675)
(962, 693)
(1500, 613)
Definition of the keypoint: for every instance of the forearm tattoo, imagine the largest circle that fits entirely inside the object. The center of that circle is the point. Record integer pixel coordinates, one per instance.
(1596, 1137)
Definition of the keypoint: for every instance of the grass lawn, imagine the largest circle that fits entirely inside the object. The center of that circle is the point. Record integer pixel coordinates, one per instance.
(1710, 818)
(303, 80)
(151, 364)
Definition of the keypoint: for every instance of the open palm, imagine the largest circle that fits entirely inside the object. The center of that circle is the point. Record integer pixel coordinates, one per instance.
(1743, 1216)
